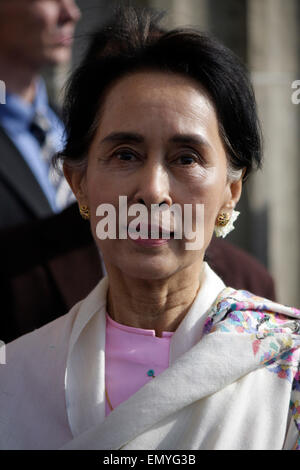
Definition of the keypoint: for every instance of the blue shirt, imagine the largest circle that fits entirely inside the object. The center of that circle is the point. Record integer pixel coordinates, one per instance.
(15, 117)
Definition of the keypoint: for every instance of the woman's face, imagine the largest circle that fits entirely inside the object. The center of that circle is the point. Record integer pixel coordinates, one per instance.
(157, 142)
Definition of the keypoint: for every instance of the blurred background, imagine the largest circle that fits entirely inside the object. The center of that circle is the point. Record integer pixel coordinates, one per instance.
(265, 34)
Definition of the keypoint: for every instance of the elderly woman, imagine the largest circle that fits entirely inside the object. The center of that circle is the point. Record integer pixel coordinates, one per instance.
(161, 354)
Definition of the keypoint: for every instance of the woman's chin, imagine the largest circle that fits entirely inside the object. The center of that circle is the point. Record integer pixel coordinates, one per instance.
(143, 268)
(140, 262)
(149, 270)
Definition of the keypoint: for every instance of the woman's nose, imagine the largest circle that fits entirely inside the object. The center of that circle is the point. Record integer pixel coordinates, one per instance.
(153, 186)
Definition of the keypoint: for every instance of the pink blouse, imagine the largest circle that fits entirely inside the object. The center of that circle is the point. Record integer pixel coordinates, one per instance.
(133, 357)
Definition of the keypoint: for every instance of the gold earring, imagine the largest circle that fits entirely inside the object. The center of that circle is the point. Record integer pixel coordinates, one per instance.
(84, 212)
(223, 219)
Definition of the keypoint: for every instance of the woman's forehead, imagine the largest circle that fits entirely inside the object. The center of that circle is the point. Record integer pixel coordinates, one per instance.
(154, 83)
(151, 99)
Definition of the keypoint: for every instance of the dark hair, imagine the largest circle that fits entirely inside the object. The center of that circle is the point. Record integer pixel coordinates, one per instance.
(134, 40)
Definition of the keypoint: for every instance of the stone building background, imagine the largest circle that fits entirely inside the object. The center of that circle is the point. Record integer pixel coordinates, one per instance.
(265, 34)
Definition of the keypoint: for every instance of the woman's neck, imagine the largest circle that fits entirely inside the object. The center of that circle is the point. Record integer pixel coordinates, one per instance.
(158, 305)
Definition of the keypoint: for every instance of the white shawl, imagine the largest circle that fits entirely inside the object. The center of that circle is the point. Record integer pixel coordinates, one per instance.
(216, 394)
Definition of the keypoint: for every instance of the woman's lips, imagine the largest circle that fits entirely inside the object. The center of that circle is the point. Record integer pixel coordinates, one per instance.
(150, 242)
(160, 236)
(152, 232)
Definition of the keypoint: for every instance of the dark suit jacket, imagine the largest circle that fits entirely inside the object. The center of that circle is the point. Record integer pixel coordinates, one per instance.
(21, 197)
(49, 265)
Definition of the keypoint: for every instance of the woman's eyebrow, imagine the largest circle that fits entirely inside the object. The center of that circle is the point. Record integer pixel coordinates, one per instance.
(132, 137)
(116, 137)
(194, 139)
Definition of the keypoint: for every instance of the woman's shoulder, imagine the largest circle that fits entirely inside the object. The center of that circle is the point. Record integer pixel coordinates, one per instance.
(54, 337)
(41, 342)
(32, 383)
(243, 311)
(236, 299)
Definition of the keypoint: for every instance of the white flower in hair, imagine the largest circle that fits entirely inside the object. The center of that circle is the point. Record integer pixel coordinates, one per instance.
(222, 231)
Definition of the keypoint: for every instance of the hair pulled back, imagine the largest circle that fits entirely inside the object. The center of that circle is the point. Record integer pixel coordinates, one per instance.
(134, 40)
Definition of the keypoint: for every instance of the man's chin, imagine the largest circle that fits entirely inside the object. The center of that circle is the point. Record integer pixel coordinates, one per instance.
(58, 56)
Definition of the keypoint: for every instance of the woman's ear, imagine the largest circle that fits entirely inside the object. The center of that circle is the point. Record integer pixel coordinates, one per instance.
(234, 192)
(76, 178)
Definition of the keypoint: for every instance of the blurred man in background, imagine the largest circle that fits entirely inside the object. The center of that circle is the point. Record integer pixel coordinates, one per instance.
(33, 34)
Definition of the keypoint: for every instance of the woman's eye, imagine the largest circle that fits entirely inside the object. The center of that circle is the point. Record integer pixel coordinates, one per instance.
(187, 159)
(125, 155)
